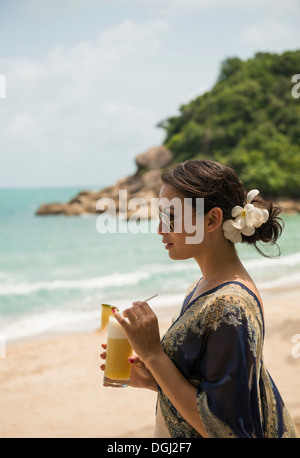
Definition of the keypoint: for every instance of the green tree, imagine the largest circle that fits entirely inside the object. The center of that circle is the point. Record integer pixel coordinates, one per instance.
(248, 120)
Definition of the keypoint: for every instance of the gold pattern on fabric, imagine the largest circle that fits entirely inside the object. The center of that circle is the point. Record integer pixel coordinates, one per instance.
(213, 425)
(208, 312)
(234, 305)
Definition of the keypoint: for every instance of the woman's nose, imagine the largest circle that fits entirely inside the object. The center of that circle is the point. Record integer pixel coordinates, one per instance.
(162, 228)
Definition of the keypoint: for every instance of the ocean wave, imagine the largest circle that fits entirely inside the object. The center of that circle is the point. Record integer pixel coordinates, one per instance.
(257, 267)
(291, 260)
(54, 322)
(112, 280)
(51, 322)
(283, 282)
(87, 283)
(78, 317)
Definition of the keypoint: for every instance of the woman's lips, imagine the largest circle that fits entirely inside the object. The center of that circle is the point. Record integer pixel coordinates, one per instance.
(167, 245)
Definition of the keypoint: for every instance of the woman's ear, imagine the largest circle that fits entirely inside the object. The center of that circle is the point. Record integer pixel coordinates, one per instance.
(214, 219)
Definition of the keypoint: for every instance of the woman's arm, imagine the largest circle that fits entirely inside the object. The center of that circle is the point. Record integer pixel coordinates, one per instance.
(141, 328)
(177, 388)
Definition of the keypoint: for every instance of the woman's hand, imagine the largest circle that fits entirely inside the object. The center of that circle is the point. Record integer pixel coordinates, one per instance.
(141, 327)
(140, 376)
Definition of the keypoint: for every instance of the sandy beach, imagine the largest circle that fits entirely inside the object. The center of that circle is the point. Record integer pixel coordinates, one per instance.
(52, 387)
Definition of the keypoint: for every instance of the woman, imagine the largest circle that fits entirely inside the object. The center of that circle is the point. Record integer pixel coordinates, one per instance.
(208, 369)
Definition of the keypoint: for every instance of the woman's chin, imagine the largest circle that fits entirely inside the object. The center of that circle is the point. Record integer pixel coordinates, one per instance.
(175, 255)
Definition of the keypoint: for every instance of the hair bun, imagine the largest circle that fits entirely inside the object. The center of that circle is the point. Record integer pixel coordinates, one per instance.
(271, 230)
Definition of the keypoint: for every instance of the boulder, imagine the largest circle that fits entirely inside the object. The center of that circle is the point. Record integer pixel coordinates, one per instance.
(155, 158)
(152, 181)
(54, 208)
(288, 206)
(74, 209)
(133, 183)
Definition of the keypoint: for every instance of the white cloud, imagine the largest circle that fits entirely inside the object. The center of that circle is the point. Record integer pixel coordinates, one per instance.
(266, 33)
(75, 105)
(131, 37)
(276, 29)
(19, 125)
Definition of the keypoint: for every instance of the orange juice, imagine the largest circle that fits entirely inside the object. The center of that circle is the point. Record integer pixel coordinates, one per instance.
(117, 366)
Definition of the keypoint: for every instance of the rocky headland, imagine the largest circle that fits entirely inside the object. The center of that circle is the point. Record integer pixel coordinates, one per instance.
(145, 184)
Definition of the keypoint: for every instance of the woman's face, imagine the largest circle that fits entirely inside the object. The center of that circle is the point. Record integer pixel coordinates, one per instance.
(180, 243)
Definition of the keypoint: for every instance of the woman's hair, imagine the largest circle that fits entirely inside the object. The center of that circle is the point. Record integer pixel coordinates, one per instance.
(219, 186)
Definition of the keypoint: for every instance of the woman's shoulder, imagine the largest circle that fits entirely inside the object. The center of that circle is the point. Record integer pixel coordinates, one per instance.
(235, 291)
(232, 302)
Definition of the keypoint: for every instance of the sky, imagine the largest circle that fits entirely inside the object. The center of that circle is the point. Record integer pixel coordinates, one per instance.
(87, 81)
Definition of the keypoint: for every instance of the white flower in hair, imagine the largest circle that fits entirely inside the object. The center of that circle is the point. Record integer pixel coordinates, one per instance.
(246, 219)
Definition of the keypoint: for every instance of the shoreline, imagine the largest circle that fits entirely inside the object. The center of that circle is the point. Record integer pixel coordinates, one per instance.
(52, 386)
(91, 322)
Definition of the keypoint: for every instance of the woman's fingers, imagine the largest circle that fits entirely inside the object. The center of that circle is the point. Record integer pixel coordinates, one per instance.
(139, 311)
(141, 307)
(130, 314)
(143, 310)
(103, 354)
(121, 319)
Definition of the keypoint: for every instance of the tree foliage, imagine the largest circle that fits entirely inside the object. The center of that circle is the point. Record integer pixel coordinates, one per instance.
(248, 120)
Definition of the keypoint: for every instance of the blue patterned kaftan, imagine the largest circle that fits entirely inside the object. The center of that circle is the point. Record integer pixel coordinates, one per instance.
(217, 344)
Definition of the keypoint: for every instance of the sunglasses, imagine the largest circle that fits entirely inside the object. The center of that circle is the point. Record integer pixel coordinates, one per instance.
(168, 221)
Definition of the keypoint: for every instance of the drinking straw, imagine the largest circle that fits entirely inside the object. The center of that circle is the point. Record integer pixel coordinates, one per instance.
(149, 298)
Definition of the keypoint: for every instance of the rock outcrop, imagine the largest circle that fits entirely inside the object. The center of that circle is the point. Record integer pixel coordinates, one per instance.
(288, 206)
(144, 184)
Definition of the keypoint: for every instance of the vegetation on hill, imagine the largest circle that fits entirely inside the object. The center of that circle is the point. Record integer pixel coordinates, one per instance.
(248, 120)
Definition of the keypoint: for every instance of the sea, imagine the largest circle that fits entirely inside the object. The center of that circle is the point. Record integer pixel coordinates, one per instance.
(56, 271)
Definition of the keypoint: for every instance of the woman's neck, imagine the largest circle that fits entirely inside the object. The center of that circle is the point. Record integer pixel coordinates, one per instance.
(220, 263)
